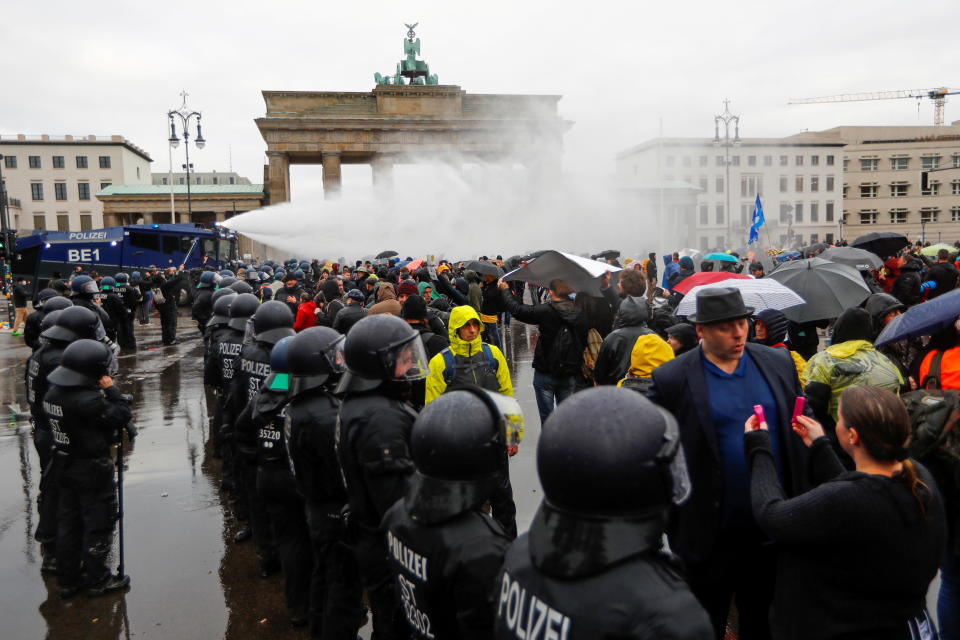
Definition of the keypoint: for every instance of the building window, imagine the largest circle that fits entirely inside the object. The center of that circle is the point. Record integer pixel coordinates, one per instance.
(798, 161)
(34, 162)
(784, 212)
(83, 189)
(735, 161)
(81, 162)
(900, 163)
(783, 161)
(751, 186)
(58, 162)
(829, 161)
(956, 160)
(955, 188)
(704, 183)
(704, 215)
(719, 185)
(63, 222)
(200, 180)
(798, 184)
(798, 212)
(10, 162)
(829, 237)
(86, 222)
(829, 183)
(60, 190)
(746, 213)
(929, 214)
(138, 173)
(814, 161)
(899, 189)
(164, 180)
(104, 162)
(828, 212)
(36, 190)
(868, 217)
(869, 164)
(814, 212)
(846, 163)
(180, 180)
(933, 189)
(217, 180)
(814, 183)
(954, 214)
(844, 190)
(930, 162)
(869, 190)
(783, 184)
(719, 214)
(718, 160)
(233, 180)
(751, 161)
(814, 238)
(704, 161)
(768, 161)
(898, 216)
(40, 221)
(104, 185)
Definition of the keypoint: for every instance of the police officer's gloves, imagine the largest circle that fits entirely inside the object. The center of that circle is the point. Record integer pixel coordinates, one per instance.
(131, 430)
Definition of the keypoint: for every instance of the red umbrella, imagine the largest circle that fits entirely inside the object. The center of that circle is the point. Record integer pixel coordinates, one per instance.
(707, 277)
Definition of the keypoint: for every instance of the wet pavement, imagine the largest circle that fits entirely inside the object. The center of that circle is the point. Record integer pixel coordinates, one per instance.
(188, 578)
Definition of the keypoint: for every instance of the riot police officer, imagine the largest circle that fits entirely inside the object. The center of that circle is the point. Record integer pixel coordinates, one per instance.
(84, 294)
(271, 322)
(169, 286)
(316, 362)
(218, 373)
(262, 419)
(120, 316)
(217, 328)
(79, 324)
(202, 302)
(444, 550)
(592, 564)
(85, 412)
(383, 355)
(31, 326)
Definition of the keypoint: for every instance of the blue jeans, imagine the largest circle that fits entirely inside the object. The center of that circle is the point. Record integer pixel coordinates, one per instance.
(492, 334)
(948, 601)
(548, 389)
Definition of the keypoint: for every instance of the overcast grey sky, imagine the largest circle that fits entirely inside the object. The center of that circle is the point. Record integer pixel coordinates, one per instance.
(116, 67)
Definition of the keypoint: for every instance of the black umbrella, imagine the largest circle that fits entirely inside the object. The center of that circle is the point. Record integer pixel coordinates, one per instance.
(607, 254)
(828, 288)
(386, 254)
(484, 268)
(859, 259)
(533, 254)
(882, 243)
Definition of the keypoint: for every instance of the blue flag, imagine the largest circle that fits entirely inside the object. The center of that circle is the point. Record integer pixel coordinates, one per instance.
(757, 221)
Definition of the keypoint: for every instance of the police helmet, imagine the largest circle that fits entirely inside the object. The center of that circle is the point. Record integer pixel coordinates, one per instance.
(50, 319)
(619, 476)
(84, 285)
(458, 444)
(221, 309)
(135, 277)
(56, 303)
(226, 281)
(107, 283)
(279, 378)
(252, 275)
(280, 276)
(227, 273)
(74, 323)
(241, 287)
(219, 293)
(297, 274)
(272, 321)
(315, 355)
(381, 348)
(207, 280)
(83, 363)
(43, 296)
(241, 308)
(122, 278)
(265, 277)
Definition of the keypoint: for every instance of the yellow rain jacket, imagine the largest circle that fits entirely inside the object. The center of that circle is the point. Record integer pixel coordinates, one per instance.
(649, 352)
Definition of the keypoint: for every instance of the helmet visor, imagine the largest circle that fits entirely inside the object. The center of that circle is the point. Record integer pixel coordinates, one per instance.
(406, 361)
(334, 356)
(672, 457)
(512, 414)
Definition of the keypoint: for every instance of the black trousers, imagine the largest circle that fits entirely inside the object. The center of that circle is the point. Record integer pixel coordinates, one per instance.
(168, 321)
(86, 518)
(48, 497)
(742, 570)
(381, 588)
(288, 521)
(259, 519)
(502, 507)
(125, 335)
(335, 592)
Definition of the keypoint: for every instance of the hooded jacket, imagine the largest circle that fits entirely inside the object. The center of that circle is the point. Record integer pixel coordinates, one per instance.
(630, 323)
(469, 356)
(777, 326)
(386, 301)
(854, 363)
(306, 316)
(548, 317)
(649, 352)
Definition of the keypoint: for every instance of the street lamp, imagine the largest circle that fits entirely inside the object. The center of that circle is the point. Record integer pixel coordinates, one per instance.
(726, 118)
(185, 115)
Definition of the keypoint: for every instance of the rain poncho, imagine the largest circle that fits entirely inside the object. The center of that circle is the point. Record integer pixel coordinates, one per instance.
(854, 363)
(649, 352)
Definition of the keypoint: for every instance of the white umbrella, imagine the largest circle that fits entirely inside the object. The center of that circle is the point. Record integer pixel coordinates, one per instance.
(580, 273)
(760, 294)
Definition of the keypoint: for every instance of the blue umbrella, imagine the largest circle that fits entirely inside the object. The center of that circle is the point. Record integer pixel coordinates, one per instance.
(922, 319)
(724, 257)
(789, 255)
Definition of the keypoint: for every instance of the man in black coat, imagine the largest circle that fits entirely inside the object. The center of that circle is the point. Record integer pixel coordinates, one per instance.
(711, 390)
(168, 309)
(630, 323)
(944, 274)
(289, 294)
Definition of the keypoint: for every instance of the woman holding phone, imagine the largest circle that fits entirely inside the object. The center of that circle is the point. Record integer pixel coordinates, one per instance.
(858, 551)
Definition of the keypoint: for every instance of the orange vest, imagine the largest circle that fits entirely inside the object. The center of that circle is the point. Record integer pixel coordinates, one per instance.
(949, 368)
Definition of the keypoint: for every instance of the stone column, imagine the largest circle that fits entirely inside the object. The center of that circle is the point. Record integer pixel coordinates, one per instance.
(331, 174)
(278, 177)
(382, 166)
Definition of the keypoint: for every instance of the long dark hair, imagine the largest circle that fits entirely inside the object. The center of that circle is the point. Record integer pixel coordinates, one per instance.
(881, 420)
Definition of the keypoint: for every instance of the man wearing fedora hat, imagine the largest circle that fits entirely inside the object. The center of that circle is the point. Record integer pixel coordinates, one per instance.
(712, 390)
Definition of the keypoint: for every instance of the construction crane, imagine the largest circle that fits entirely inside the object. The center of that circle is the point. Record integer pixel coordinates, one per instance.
(938, 95)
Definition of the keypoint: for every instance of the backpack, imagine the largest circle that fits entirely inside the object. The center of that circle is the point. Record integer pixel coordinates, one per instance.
(450, 364)
(934, 419)
(590, 353)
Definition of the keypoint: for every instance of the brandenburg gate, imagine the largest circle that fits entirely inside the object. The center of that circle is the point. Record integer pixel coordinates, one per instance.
(409, 117)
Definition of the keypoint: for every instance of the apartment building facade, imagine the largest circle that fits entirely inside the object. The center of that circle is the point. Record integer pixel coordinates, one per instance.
(51, 182)
(201, 178)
